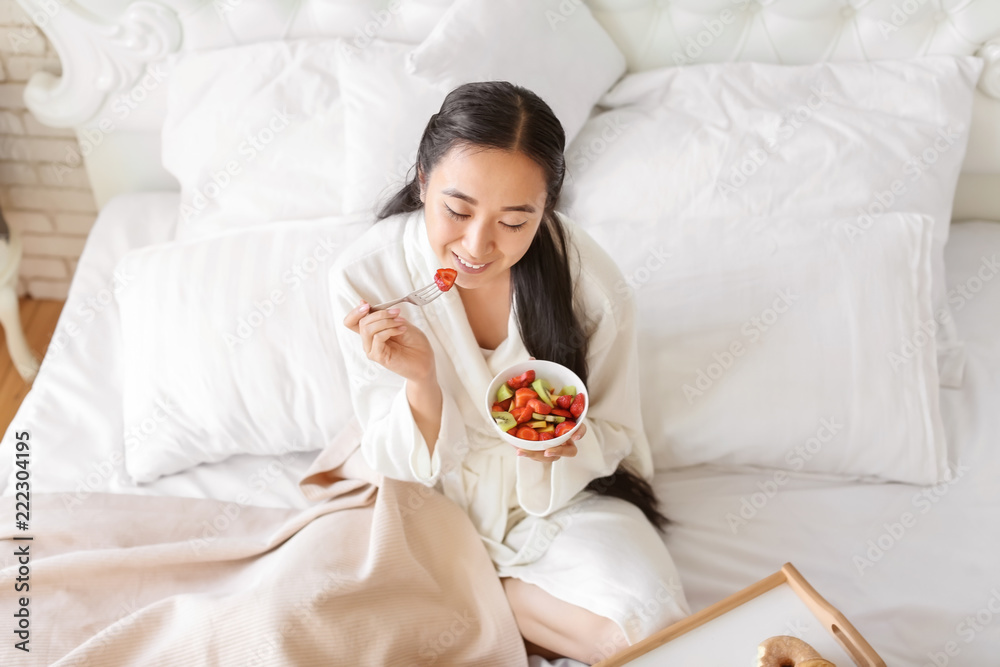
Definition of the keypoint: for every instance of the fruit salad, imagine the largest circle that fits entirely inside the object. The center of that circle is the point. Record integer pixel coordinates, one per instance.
(532, 409)
(445, 278)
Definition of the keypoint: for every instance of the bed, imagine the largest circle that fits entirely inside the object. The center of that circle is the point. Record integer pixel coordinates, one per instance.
(180, 518)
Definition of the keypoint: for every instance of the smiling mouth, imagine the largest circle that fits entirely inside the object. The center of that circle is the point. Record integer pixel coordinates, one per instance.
(469, 267)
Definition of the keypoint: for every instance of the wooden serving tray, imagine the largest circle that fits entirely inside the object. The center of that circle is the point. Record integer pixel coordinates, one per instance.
(728, 632)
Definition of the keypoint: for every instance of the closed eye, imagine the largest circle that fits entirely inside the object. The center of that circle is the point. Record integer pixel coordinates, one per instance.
(462, 216)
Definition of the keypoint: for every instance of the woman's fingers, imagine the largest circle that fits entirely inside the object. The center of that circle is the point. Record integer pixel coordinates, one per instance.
(389, 340)
(376, 330)
(352, 318)
(379, 350)
(554, 453)
(550, 454)
(373, 322)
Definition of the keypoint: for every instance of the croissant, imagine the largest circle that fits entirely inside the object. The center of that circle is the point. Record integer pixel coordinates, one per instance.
(785, 651)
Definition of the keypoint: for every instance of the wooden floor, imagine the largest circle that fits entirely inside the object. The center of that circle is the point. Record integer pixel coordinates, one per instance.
(38, 318)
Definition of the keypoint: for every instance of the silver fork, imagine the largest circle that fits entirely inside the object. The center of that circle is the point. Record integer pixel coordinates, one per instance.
(418, 297)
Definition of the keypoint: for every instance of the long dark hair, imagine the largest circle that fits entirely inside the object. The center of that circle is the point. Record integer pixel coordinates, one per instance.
(501, 115)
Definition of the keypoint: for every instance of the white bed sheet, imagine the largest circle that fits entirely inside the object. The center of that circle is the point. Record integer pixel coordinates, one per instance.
(912, 594)
(76, 397)
(910, 601)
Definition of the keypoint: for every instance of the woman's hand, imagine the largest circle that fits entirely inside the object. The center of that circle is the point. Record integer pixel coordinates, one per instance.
(555, 453)
(388, 340)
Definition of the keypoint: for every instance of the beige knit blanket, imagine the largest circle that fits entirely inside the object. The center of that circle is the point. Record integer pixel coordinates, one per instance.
(388, 575)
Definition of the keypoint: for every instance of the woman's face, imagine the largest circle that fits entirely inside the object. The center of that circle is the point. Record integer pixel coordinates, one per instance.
(482, 209)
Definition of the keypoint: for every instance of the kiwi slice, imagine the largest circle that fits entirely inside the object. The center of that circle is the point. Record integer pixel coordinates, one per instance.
(555, 419)
(569, 390)
(542, 387)
(504, 392)
(504, 420)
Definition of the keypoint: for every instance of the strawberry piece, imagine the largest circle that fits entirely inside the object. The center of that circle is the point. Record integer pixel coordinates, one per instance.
(521, 415)
(546, 436)
(497, 408)
(526, 433)
(538, 406)
(505, 405)
(445, 278)
(577, 406)
(523, 395)
(522, 380)
(564, 402)
(562, 413)
(564, 427)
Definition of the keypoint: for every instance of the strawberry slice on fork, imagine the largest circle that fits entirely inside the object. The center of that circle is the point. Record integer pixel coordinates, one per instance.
(443, 281)
(445, 278)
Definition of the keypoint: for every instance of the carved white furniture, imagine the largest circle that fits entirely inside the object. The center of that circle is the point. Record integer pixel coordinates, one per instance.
(10, 314)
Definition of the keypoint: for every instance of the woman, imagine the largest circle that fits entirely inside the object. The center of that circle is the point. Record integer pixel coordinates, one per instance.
(571, 529)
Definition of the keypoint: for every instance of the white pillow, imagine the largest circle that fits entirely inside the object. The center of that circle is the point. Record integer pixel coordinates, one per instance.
(255, 134)
(385, 113)
(751, 139)
(777, 342)
(555, 48)
(229, 347)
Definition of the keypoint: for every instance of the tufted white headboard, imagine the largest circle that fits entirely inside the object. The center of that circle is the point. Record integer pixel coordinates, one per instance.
(113, 87)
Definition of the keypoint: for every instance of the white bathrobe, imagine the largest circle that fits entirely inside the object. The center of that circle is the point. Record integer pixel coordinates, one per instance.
(513, 501)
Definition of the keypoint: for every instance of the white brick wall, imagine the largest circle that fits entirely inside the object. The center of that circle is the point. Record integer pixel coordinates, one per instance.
(53, 208)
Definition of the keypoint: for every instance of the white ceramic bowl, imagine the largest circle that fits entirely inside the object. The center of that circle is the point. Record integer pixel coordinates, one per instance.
(559, 376)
